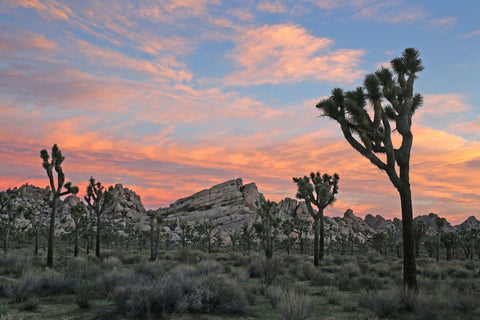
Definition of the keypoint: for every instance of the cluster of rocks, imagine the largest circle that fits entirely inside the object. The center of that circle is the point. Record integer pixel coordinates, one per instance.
(126, 209)
(230, 206)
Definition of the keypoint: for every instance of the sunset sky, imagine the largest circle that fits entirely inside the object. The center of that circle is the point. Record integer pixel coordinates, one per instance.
(171, 97)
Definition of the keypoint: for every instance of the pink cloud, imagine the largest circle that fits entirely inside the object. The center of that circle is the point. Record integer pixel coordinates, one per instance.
(444, 103)
(271, 7)
(49, 9)
(288, 53)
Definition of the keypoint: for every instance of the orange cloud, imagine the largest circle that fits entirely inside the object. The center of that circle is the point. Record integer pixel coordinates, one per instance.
(287, 53)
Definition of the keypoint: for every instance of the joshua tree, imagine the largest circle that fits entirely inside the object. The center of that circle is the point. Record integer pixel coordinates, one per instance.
(155, 221)
(234, 237)
(467, 240)
(373, 138)
(8, 214)
(246, 237)
(449, 241)
(287, 230)
(419, 231)
(440, 223)
(301, 228)
(205, 231)
(186, 232)
(325, 188)
(98, 199)
(56, 190)
(267, 226)
(78, 213)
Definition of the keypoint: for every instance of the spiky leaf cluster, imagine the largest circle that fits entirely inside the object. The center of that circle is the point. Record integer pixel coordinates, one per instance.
(56, 163)
(97, 197)
(388, 91)
(318, 189)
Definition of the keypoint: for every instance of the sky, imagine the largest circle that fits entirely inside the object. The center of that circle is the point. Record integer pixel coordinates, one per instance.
(174, 96)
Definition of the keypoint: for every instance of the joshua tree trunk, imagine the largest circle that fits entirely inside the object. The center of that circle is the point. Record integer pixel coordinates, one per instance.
(75, 250)
(97, 241)
(316, 241)
(409, 268)
(51, 233)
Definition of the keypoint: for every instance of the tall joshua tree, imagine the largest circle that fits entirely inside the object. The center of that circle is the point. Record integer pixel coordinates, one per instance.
(98, 199)
(390, 93)
(55, 163)
(321, 192)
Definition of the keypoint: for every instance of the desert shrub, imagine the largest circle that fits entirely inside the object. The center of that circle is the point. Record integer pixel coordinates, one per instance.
(470, 265)
(333, 297)
(129, 259)
(215, 294)
(305, 271)
(15, 265)
(131, 300)
(272, 269)
(255, 269)
(23, 289)
(3, 309)
(273, 293)
(391, 304)
(370, 283)
(84, 292)
(111, 262)
(318, 278)
(153, 269)
(109, 281)
(30, 305)
(240, 274)
(50, 282)
(210, 267)
(104, 313)
(295, 306)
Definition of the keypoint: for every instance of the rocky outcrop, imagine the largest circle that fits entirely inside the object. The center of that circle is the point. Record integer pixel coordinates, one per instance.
(379, 223)
(470, 223)
(228, 205)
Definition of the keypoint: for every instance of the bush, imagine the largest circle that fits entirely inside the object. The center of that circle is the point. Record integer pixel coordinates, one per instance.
(104, 313)
(85, 291)
(30, 305)
(3, 309)
(390, 304)
(295, 306)
(318, 278)
(273, 294)
(22, 290)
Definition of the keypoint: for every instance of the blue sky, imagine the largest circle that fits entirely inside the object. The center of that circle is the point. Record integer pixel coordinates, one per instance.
(171, 97)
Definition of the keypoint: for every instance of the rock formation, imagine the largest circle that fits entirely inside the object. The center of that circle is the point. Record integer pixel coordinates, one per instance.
(228, 205)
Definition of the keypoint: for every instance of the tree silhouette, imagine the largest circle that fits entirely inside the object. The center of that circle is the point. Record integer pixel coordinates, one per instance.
(155, 220)
(98, 199)
(372, 138)
(320, 191)
(420, 229)
(301, 228)
(56, 191)
(266, 228)
(78, 213)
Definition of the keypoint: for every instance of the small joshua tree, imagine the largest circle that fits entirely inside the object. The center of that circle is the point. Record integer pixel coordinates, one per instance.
(98, 199)
(420, 229)
(205, 231)
(287, 228)
(301, 227)
(55, 163)
(320, 191)
(78, 213)
(155, 221)
(266, 228)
